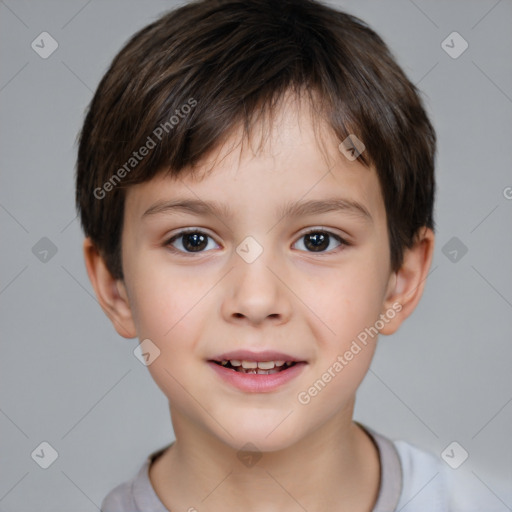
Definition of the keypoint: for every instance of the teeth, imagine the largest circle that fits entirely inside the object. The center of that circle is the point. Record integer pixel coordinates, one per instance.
(260, 367)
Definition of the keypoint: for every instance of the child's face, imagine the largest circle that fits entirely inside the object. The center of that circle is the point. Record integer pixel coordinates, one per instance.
(196, 306)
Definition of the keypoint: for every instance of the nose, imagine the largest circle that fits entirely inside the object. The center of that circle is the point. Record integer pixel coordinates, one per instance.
(256, 293)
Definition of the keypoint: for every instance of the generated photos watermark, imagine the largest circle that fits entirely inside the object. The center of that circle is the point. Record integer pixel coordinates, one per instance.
(343, 360)
(151, 142)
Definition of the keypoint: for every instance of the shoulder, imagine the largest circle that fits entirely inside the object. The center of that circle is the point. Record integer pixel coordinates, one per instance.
(424, 485)
(417, 463)
(429, 484)
(136, 494)
(120, 499)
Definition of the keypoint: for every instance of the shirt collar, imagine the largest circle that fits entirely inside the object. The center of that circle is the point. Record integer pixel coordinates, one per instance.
(390, 488)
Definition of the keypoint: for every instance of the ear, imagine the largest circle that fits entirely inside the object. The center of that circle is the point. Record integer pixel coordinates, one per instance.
(111, 293)
(405, 287)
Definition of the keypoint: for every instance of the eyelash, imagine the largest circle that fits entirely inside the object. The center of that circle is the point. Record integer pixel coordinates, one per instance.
(184, 232)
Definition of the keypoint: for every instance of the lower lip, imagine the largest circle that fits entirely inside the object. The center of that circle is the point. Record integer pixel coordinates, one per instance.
(257, 383)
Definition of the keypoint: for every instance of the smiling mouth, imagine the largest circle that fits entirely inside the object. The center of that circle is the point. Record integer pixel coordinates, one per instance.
(256, 368)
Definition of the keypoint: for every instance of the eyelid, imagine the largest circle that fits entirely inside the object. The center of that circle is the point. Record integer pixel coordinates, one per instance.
(322, 229)
(345, 237)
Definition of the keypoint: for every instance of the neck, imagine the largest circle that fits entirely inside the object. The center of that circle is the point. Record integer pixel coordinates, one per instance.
(333, 468)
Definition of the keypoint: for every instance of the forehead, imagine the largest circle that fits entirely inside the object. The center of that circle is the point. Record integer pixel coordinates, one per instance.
(291, 159)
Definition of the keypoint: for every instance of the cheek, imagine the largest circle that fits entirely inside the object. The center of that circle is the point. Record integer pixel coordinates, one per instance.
(164, 297)
(169, 306)
(348, 308)
(345, 302)
(167, 310)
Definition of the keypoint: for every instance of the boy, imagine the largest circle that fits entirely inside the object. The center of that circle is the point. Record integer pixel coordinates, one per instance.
(256, 184)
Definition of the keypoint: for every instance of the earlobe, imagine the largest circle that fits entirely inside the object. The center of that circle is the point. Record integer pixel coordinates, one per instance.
(111, 293)
(406, 285)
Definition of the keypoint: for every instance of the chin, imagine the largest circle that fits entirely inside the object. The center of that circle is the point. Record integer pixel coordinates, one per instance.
(265, 436)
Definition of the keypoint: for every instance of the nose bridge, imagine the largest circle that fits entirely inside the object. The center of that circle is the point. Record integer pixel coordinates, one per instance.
(256, 292)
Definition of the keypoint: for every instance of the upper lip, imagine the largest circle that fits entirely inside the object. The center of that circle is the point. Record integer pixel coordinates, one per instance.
(247, 355)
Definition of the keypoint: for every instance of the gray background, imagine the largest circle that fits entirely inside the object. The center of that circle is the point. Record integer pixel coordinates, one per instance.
(68, 379)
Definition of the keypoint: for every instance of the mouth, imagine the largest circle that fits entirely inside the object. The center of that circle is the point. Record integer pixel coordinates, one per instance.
(257, 372)
(255, 367)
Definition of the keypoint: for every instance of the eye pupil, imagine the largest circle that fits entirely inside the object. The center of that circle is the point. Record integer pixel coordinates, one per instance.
(319, 240)
(197, 241)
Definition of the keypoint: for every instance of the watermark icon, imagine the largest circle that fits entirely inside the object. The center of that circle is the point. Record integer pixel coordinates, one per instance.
(454, 249)
(249, 455)
(146, 352)
(507, 192)
(44, 45)
(44, 455)
(44, 250)
(249, 249)
(352, 147)
(151, 142)
(454, 45)
(454, 455)
(361, 341)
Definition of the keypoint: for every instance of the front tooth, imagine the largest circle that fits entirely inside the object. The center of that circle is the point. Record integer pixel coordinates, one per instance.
(234, 362)
(266, 365)
(249, 364)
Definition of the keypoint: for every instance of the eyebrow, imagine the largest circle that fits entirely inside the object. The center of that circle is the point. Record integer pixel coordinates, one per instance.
(291, 209)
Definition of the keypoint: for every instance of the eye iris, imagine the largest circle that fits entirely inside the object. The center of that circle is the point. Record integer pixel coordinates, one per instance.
(320, 241)
(197, 241)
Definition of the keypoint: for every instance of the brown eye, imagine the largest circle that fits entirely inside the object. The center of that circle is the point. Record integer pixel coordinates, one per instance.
(189, 241)
(319, 241)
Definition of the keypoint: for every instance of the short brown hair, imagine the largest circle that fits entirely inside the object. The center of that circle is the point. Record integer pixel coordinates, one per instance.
(185, 80)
